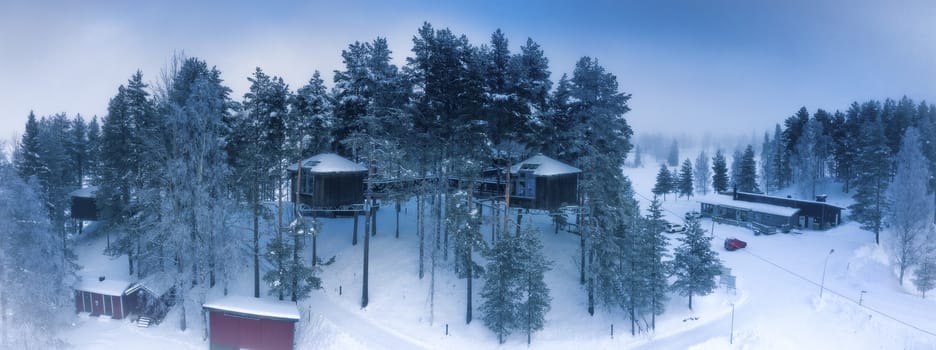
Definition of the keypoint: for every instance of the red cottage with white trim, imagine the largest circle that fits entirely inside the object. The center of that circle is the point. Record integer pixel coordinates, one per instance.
(238, 322)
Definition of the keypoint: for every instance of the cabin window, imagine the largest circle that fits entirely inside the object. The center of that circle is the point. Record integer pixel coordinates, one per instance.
(308, 183)
(86, 297)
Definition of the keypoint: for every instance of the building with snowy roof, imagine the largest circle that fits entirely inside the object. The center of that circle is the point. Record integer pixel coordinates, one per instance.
(102, 296)
(151, 297)
(239, 322)
(84, 203)
(328, 181)
(544, 183)
(753, 208)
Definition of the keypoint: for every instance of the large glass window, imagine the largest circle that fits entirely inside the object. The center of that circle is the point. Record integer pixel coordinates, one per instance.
(86, 297)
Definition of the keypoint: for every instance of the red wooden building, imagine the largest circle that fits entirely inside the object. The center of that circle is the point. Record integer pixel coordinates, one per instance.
(238, 322)
(102, 296)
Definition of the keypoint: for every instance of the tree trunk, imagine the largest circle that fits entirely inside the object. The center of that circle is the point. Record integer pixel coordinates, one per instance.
(256, 249)
(354, 231)
(295, 275)
(421, 232)
(397, 228)
(690, 300)
(469, 268)
(374, 218)
(366, 256)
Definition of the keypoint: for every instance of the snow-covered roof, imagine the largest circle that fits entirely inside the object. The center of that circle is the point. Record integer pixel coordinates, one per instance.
(544, 166)
(793, 199)
(328, 163)
(723, 200)
(87, 192)
(105, 287)
(156, 284)
(259, 307)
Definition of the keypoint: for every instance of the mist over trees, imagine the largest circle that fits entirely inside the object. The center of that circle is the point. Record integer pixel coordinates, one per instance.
(192, 182)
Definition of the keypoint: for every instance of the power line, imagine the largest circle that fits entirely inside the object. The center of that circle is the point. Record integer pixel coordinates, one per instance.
(879, 312)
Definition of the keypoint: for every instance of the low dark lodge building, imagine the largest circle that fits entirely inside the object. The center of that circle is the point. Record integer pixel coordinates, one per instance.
(84, 203)
(743, 208)
(237, 322)
(151, 297)
(543, 183)
(101, 296)
(329, 181)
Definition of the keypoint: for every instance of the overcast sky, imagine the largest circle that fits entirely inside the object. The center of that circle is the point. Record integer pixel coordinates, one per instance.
(692, 66)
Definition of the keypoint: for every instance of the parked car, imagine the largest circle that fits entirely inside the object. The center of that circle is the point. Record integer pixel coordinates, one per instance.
(673, 228)
(732, 244)
(693, 215)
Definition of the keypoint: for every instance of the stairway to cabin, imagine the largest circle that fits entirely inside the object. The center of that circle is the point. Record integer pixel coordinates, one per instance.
(144, 322)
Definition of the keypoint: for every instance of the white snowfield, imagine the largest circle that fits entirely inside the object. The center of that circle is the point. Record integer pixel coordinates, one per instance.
(776, 302)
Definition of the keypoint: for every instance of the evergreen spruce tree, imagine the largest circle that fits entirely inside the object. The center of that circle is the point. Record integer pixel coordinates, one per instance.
(672, 158)
(535, 298)
(501, 295)
(719, 173)
(925, 278)
(702, 173)
(664, 182)
(768, 152)
(654, 254)
(685, 179)
(747, 172)
(695, 264)
(735, 175)
(874, 171)
(26, 156)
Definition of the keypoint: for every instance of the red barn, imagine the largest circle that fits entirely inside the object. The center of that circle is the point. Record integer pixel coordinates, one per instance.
(238, 322)
(102, 296)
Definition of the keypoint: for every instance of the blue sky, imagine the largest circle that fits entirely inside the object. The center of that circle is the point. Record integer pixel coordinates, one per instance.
(692, 66)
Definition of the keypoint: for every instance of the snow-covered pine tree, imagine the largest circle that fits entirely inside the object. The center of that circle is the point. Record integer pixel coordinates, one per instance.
(747, 172)
(37, 276)
(735, 175)
(685, 179)
(925, 276)
(654, 255)
(535, 298)
(719, 173)
(874, 171)
(808, 159)
(196, 175)
(501, 294)
(793, 130)
(310, 116)
(256, 148)
(664, 182)
(26, 155)
(672, 158)
(702, 173)
(768, 152)
(909, 215)
(695, 264)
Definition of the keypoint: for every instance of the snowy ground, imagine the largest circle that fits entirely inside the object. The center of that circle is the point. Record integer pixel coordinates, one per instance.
(776, 303)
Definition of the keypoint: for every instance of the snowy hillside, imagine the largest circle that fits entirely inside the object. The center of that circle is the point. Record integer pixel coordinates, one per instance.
(776, 304)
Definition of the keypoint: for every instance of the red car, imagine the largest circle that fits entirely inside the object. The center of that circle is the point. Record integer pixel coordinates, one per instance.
(734, 244)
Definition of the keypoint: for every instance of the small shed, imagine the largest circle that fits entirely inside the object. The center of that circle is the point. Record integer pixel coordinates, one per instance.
(84, 203)
(541, 182)
(151, 297)
(102, 296)
(239, 322)
(329, 181)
